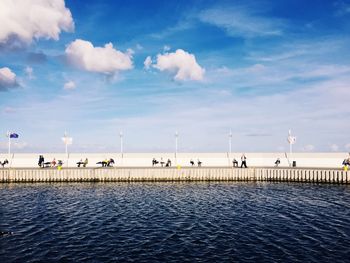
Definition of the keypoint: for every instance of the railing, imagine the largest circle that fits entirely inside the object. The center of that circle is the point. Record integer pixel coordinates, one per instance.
(174, 174)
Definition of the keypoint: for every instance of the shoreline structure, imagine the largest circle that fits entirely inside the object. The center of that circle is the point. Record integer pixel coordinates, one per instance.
(137, 167)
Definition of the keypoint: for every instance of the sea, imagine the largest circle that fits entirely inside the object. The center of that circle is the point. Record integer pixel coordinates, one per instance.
(174, 222)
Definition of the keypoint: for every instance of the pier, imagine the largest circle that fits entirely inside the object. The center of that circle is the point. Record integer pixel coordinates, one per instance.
(158, 174)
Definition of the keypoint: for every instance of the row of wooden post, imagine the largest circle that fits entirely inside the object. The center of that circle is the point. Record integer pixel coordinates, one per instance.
(174, 174)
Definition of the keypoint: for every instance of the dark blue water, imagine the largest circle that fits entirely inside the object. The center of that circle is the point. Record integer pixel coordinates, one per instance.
(175, 222)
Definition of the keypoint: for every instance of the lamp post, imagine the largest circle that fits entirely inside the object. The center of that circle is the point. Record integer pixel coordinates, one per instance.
(176, 141)
(291, 140)
(121, 142)
(67, 141)
(230, 142)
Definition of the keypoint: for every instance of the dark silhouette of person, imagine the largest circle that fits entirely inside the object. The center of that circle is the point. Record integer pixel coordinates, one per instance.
(4, 163)
(244, 161)
(235, 163)
(154, 162)
(41, 161)
(192, 162)
(278, 161)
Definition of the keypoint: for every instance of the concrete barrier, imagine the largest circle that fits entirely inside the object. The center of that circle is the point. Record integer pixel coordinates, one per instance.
(138, 174)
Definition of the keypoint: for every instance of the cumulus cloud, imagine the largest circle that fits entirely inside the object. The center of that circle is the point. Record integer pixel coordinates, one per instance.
(69, 85)
(148, 62)
(7, 79)
(26, 20)
(107, 59)
(182, 63)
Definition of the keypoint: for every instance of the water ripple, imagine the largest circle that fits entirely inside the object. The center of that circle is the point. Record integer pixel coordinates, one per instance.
(175, 222)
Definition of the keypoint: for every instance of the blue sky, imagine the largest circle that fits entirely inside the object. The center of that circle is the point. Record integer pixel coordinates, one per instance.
(202, 68)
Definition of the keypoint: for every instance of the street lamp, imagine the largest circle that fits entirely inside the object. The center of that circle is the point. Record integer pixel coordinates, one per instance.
(176, 141)
(121, 143)
(67, 141)
(291, 140)
(230, 142)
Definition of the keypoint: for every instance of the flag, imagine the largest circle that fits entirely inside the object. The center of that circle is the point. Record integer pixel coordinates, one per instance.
(14, 135)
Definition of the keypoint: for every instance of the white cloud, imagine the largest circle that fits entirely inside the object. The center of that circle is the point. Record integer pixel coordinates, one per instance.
(139, 47)
(7, 79)
(29, 72)
(166, 48)
(240, 21)
(27, 20)
(107, 59)
(148, 62)
(69, 85)
(182, 63)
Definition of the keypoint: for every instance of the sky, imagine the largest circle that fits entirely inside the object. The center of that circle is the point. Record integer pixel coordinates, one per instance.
(150, 69)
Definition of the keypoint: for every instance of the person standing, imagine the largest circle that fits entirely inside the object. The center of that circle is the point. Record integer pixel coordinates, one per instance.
(244, 161)
(41, 161)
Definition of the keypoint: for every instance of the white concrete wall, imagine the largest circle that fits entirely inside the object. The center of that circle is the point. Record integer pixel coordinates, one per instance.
(326, 160)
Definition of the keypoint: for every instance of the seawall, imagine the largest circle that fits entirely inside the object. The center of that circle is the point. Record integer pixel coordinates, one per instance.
(145, 174)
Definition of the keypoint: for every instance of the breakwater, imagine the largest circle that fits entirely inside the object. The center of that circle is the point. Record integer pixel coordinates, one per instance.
(146, 174)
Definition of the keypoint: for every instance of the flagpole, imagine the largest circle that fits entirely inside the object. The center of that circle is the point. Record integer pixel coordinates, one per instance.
(9, 144)
(230, 142)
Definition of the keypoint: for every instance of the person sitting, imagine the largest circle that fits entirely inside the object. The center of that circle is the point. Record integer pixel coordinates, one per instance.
(199, 163)
(85, 162)
(168, 163)
(4, 163)
(47, 165)
(192, 162)
(59, 163)
(106, 162)
(110, 162)
(235, 162)
(154, 162)
(102, 163)
(53, 163)
(80, 163)
(278, 161)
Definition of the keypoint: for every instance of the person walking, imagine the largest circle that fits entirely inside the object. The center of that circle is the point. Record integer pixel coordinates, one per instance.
(244, 161)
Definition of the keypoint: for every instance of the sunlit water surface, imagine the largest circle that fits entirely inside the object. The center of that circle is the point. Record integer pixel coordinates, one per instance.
(175, 222)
